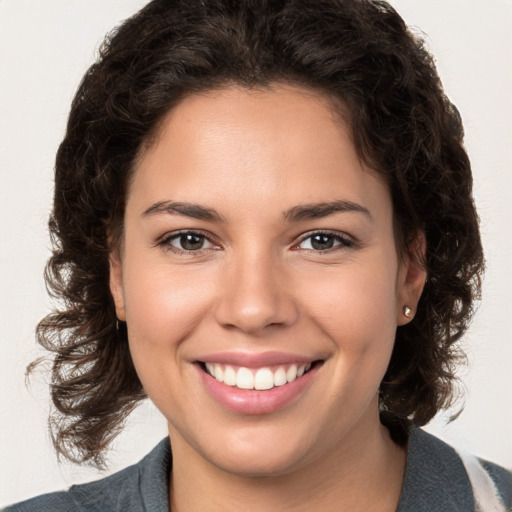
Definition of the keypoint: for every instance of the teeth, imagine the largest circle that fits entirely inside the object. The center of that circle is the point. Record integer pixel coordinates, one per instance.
(280, 377)
(210, 368)
(230, 376)
(264, 379)
(244, 378)
(291, 374)
(219, 374)
(261, 379)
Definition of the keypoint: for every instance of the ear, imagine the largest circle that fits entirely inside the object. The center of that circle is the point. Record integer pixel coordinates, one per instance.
(116, 284)
(412, 276)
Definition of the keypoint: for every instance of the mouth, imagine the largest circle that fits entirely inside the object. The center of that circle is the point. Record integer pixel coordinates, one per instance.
(261, 379)
(258, 383)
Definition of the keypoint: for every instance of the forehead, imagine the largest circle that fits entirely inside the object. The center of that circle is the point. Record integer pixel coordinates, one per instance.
(248, 111)
(284, 142)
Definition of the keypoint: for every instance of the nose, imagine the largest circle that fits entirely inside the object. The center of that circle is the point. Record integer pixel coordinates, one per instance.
(255, 295)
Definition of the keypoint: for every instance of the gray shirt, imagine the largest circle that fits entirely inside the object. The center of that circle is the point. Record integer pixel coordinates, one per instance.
(435, 481)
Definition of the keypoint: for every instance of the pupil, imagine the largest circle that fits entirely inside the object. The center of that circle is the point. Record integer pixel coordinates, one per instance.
(191, 242)
(322, 242)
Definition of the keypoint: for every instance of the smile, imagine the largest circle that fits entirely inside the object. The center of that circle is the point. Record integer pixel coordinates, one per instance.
(261, 379)
(254, 385)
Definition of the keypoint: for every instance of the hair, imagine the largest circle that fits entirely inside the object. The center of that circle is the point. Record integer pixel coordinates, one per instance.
(361, 54)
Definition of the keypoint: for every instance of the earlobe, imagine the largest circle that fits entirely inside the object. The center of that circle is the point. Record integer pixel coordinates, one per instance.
(408, 312)
(116, 285)
(413, 276)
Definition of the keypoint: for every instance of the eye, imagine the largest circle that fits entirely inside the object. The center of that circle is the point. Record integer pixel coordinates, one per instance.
(323, 241)
(187, 241)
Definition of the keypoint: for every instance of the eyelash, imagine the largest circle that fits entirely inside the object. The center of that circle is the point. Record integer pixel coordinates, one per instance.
(166, 242)
(344, 242)
(341, 240)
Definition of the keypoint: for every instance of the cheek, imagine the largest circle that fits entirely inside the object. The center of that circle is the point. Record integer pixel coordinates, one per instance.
(163, 305)
(356, 311)
(163, 309)
(358, 303)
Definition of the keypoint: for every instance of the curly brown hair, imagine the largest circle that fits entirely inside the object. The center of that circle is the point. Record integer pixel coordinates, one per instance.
(359, 52)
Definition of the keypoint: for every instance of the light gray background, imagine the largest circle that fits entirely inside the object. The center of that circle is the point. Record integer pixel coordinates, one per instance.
(46, 45)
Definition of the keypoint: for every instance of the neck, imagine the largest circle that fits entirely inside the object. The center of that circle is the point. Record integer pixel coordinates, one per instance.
(364, 473)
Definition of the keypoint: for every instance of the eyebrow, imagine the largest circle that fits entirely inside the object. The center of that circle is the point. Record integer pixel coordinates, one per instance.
(195, 211)
(321, 210)
(297, 213)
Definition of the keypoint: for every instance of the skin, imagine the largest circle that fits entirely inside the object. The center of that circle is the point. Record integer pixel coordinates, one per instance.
(258, 285)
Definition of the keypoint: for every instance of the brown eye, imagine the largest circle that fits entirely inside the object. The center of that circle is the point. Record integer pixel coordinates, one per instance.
(187, 242)
(324, 242)
(191, 242)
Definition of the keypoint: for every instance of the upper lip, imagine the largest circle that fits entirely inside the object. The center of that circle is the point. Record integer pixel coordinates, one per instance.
(254, 360)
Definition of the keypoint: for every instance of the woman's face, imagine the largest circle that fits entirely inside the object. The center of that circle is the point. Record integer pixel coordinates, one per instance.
(258, 247)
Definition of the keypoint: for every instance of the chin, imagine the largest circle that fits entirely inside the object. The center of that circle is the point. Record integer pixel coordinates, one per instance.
(264, 464)
(259, 453)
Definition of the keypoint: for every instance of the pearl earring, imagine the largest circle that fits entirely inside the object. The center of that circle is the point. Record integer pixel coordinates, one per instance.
(407, 311)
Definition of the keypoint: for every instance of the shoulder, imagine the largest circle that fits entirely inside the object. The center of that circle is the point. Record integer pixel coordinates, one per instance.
(439, 478)
(502, 478)
(55, 502)
(491, 483)
(142, 486)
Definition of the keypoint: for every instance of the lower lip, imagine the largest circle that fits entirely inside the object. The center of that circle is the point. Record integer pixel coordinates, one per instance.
(250, 401)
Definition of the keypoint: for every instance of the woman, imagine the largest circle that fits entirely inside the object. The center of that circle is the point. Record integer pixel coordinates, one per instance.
(263, 221)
